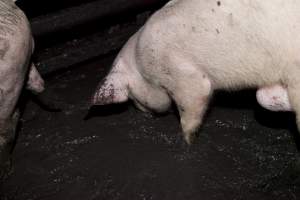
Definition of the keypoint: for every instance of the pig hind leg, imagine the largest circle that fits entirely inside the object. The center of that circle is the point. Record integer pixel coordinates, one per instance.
(274, 98)
(191, 95)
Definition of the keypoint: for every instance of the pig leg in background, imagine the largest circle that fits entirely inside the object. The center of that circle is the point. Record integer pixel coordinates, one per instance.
(36, 85)
(274, 98)
(7, 139)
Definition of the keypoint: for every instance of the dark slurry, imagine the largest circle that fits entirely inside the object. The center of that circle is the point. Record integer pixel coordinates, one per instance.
(117, 152)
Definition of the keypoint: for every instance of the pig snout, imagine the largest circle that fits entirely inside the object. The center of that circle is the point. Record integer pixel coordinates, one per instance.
(110, 90)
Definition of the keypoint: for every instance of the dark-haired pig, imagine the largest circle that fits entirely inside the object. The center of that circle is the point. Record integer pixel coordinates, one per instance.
(16, 47)
(190, 48)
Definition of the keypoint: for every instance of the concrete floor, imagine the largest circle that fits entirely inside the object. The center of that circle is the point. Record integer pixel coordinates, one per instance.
(118, 152)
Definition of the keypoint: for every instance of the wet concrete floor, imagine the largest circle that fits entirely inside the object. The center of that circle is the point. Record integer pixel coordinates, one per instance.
(243, 151)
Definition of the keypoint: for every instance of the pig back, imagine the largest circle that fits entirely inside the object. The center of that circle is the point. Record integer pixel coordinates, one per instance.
(237, 43)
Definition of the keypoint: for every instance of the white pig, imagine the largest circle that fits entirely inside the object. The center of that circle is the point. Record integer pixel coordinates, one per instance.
(190, 48)
(16, 47)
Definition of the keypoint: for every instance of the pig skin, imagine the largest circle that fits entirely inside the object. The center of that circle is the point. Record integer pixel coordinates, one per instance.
(190, 48)
(16, 47)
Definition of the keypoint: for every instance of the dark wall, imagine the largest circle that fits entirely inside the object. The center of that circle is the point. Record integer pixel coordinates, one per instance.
(34, 8)
(68, 32)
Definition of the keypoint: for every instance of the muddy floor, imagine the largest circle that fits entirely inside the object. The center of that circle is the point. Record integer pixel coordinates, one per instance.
(242, 152)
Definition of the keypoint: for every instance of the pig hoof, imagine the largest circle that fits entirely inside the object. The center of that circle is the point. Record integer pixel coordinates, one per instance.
(49, 102)
(141, 107)
(5, 164)
(185, 140)
(6, 170)
(180, 142)
(190, 138)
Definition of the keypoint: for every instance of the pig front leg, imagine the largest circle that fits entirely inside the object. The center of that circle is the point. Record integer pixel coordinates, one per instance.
(191, 93)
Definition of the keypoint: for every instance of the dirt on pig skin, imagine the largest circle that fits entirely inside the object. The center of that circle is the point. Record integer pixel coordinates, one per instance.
(118, 152)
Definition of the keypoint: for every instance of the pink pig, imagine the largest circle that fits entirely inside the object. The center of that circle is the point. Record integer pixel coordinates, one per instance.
(190, 48)
(16, 47)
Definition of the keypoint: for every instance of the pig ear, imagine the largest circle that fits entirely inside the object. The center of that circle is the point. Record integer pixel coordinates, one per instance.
(110, 91)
